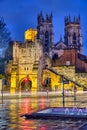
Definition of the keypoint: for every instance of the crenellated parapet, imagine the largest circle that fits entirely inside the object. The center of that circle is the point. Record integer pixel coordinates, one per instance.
(68, 20)
(73, 34)
(48, 18)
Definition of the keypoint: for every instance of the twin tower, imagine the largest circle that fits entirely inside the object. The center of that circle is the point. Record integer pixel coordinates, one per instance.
(72, 32)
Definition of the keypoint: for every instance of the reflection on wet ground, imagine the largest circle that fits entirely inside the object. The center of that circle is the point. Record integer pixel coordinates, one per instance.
(11, 110)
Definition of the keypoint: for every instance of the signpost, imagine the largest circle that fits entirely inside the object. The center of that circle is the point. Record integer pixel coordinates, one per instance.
(64, 81)
(75, 90)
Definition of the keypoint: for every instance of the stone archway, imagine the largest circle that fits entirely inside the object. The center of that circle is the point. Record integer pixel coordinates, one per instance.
(26, 84)
(46, 84)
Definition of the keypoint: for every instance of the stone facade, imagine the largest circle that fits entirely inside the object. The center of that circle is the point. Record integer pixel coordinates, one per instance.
(59, 48)
(45, 32)
(26, 59)
(42, 64)
(72, 37)
(72, 33)
(70, 65)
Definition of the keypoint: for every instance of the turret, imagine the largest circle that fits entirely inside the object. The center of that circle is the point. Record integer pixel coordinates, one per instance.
(40, 18)
(51, 17)
(76, 20)
(45, 31)
(73, 36)
(47, 19)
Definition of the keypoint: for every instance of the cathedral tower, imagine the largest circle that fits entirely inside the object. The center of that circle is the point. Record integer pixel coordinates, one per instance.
(73, 36)
(45, 32)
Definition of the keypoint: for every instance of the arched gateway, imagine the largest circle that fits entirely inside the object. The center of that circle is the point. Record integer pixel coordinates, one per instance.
(25, 84)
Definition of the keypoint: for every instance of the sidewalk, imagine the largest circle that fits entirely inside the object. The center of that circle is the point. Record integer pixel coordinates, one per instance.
(29, 94)
(47, 94)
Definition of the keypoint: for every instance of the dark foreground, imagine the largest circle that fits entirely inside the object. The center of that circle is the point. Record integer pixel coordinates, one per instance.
(56, 113)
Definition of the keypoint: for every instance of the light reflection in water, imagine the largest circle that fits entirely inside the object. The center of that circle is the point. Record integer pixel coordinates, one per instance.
(43, 103)
(22, 106)
(26, 106)
(43, 127)
(11, 120)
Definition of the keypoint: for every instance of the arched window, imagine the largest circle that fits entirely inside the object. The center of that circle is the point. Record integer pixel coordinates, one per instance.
(74, 39)
(46, 36)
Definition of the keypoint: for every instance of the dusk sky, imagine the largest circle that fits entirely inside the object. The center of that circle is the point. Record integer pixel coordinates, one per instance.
(20, 15)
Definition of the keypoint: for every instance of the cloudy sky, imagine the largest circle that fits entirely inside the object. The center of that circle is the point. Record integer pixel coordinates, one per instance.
(20, 15)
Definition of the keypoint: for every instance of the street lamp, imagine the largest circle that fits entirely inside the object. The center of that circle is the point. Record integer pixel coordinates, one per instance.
(1, 88)
(75, 89)
(48, 81)
(63, 91)
(64, 81)
(19, 89)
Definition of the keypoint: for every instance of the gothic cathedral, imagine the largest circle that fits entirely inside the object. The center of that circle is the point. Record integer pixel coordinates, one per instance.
(40, 64)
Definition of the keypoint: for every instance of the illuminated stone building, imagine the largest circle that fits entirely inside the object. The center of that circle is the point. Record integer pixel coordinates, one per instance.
(72, 66)
(45, 32)
(39, 64)
(67, 58)
(72, 36)
(30, 35)
(72, 31)
(25, 64)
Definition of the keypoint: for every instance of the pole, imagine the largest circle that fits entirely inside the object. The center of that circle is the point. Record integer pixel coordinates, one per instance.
(19, 89)
(74, 94)
(47, 93)
(63, 96)
(1, 89)
(2, 94)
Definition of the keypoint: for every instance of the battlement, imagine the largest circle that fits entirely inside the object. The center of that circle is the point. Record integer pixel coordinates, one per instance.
(41, 18)
(68, 20)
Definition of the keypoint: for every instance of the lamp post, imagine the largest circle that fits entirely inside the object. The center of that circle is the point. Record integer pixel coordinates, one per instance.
(2, 93)
(48, 80)
(64, 81)
(63, 96)
(19, 89)
(1, 88)
(47, 83)
(75, 89)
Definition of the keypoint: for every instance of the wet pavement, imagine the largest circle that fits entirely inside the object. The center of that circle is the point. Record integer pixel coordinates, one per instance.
(12, 109)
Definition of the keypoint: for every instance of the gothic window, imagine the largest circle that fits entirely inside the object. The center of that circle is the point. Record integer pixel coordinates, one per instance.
(55, 57)
(66, 38)
(46, 36)
(74, 39)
